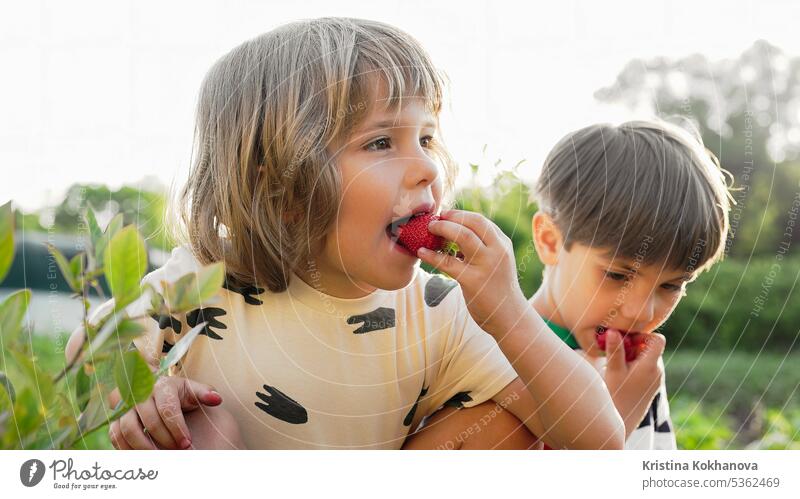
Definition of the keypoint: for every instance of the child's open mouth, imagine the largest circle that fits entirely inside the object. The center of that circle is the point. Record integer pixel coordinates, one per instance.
(393, 232)
(393, 229)
(411, 233)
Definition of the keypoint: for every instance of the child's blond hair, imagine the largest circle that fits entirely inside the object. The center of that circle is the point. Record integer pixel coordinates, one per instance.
(643, 190)
(263, 190)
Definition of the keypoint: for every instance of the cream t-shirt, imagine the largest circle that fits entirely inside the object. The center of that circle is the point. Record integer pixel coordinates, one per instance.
(301, 369)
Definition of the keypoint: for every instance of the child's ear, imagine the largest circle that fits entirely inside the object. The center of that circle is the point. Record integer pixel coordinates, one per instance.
(546, 238)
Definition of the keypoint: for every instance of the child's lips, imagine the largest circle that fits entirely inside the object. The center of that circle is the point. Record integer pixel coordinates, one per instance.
(422, 209)
(391, 234)
(394, 228)
(601, 329)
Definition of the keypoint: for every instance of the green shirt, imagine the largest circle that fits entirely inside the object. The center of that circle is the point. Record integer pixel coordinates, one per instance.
(564, 334)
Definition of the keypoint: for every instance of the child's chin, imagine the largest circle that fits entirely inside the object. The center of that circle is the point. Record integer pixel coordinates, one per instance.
(396, 280)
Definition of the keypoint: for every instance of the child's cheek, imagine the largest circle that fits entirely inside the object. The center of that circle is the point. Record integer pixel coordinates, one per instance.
(664, 311)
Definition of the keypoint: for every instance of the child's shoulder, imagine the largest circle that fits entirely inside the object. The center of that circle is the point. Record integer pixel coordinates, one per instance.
(436, 290)
(180, 262)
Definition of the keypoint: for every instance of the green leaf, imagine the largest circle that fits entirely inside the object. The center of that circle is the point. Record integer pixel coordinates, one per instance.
(133, 377)
(6, 406)
(76, 267)
(41, 382)
(83, 383)
(64, 267)
(27, 414)
(6, 239)
(54, 440)
(102, 243)
(209, 281)
(192, 290)
(120, 330)
(178, 294)
(125, 263)
(114, 226)
(95, 233)
(179, 349)
(92, 414)
(129, 329)
(9, 388)
(12, 312)
(156, 298)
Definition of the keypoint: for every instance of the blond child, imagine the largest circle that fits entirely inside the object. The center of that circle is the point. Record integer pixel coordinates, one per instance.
(313, 139)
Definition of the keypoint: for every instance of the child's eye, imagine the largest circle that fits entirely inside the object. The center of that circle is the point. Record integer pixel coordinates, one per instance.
(674, 288)
(380, 144)
(426, 141)
(616, 276)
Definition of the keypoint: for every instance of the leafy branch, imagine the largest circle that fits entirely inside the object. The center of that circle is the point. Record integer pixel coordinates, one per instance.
(107, 356)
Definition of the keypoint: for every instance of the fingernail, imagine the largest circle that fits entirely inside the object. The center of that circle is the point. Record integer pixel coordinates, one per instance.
(214, 397)
(186, 443)
(423, 251)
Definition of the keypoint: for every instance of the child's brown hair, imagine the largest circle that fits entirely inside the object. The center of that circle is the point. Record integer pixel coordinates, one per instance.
(263, 190)
(641, 185)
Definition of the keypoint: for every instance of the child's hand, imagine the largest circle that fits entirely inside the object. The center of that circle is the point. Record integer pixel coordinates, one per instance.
(161, 415)
(487, 274)
(633, 385)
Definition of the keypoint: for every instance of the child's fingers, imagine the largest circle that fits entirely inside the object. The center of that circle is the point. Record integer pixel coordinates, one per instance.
(130, 428)
(480, 225)
(151, 419)
(113, 398)
(169, 407)
(192, 393)
(615, 351)
(655, 344)
(115, 435)
(467, 241)
(442, 261)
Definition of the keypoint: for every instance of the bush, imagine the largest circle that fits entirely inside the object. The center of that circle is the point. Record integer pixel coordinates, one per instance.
(39, 399)
(740, 305)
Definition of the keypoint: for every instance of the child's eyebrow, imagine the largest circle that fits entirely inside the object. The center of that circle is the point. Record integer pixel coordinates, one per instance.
(393, 124)
(683, 277)
(623, 266)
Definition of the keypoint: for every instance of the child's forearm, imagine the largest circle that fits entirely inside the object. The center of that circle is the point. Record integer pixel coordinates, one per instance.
(574, 404)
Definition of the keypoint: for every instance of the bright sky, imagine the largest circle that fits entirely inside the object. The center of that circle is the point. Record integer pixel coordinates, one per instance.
(105, 91)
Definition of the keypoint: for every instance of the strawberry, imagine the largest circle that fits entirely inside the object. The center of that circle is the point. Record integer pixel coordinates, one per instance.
(414, 234)
(632, 343)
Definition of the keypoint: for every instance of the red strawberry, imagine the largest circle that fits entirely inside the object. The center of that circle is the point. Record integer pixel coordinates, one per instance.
(632, 343)
(414, 234)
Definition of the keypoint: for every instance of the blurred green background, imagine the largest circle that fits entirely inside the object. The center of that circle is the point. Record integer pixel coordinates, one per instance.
(732, 358)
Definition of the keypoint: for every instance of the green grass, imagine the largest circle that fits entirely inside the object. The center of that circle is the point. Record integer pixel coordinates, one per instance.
(738, 400)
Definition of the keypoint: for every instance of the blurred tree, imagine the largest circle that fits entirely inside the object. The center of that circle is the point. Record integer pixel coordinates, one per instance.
(507, 202)
(748, 112)
(144, 207)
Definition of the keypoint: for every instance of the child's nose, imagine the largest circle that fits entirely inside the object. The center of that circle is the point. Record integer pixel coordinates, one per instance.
(638, 307)
(422, 169)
